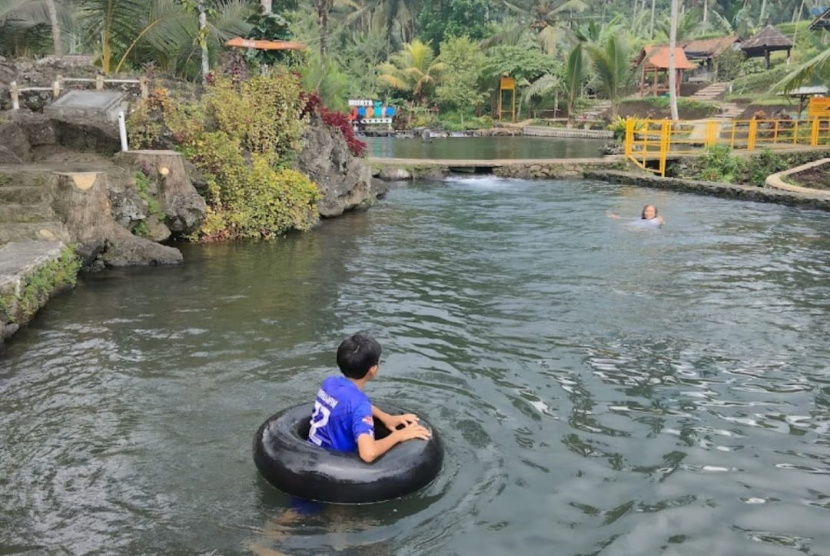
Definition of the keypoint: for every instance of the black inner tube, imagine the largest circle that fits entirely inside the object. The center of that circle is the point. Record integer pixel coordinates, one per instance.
(289, 462)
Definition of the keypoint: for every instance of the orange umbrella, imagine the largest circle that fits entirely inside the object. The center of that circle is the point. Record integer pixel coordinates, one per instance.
(264, 45)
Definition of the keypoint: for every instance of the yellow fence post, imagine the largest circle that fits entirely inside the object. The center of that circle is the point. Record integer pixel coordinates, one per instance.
(814, 133)
(629, 137)
(665, 144)
(750, 138)
(711, 133)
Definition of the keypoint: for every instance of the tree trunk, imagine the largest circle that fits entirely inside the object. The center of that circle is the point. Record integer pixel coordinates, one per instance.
(672, 64)
(763, 13)
(323, 8)
(267, 6)
(653, 2)
(203, 41)
(56, 28)
(705, 11)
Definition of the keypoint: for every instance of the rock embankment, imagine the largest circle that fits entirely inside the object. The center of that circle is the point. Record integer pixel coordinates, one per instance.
(344, 181)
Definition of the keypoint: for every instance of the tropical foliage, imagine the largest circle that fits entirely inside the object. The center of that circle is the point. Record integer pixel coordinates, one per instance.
(240, 136)
(558, 51)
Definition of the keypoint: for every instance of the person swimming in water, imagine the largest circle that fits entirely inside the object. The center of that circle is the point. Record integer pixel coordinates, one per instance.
(649, 216)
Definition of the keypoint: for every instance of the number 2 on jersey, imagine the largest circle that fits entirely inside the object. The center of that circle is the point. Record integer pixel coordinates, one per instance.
(319, 418)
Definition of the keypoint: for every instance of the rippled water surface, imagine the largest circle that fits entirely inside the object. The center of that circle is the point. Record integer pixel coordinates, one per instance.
(601, 388)
(484, 148)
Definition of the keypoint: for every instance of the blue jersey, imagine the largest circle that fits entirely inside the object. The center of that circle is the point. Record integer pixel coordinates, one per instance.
(342, 412)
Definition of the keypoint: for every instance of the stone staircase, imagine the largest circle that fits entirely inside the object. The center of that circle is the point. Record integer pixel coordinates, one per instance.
(711, 93)
(729, 111)
(25, 211)
(714, 92)
(595, 111)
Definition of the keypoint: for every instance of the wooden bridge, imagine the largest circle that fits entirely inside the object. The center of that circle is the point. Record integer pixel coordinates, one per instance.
(660, 140)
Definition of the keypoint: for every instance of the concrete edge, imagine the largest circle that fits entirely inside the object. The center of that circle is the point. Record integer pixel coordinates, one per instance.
(716, 189)
(776, 180)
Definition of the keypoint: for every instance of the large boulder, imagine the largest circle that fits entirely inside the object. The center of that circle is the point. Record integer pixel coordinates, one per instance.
(81, 199)
(181, 207)
(344, 180)
(15, 147)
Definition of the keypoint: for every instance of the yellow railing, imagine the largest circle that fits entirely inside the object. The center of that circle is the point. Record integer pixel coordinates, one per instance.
(650, 141)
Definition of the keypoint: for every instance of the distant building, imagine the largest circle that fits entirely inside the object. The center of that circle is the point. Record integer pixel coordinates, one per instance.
(653, 62)
(705, 54)
(768, 40)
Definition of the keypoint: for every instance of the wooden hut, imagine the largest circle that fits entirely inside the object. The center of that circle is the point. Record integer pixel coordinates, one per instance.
(768, 40)
(653, 62)
(705, 53)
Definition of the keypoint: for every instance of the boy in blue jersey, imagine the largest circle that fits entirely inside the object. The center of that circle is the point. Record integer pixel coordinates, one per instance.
(343, 415)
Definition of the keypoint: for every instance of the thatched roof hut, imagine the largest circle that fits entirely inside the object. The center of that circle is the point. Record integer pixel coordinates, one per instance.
(769, 39)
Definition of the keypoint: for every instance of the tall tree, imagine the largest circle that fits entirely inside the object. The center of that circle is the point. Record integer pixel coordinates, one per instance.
(413, 69)
(459, 83)
(56, 28)
(323, 9)
(672, 63)
(545, 17)
(612, 67)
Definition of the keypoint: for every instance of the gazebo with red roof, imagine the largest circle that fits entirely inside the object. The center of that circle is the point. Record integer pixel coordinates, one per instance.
(654, 60)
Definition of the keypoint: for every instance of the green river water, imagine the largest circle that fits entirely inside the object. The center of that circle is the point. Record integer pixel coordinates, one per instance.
(601, 388)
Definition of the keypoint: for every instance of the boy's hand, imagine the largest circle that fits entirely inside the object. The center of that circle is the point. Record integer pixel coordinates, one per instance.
(412, 431)
(392, 422)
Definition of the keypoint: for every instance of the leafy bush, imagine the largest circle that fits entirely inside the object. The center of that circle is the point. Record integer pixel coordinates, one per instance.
(240, 136)
(719, 164)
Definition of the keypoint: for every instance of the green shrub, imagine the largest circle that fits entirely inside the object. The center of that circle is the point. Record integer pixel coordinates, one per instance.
(240, 136)
(718, 164)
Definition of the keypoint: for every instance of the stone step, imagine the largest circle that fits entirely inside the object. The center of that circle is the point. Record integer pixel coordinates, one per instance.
(13, 176)
(13, 212)
(23, 194)
(14, 231)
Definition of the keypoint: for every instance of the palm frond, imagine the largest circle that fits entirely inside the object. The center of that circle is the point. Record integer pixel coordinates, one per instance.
(542, 86)
(802, 75)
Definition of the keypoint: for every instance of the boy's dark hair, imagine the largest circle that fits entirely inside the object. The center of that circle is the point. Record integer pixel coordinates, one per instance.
(357, 354)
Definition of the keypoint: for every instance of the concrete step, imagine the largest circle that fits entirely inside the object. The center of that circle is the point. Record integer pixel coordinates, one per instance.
(23, 194)
(13, 212)
(51, 230)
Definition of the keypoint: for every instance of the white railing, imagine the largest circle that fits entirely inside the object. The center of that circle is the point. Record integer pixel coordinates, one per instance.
(58, 86)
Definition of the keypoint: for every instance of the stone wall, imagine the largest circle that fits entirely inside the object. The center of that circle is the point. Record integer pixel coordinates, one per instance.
(730, 191)
(560, 170)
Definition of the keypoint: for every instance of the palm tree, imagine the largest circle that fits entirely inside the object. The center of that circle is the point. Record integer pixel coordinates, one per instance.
(162, 30)
(542, 16)
(26, 14)
(819, 65)
(612, 66)
(672, 72)
(413, 69)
